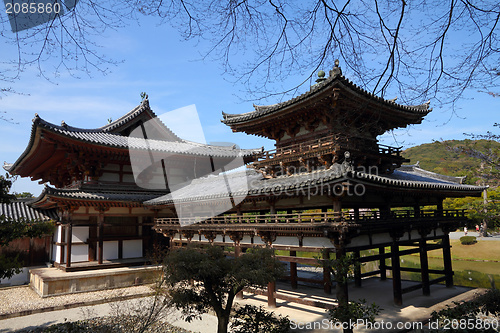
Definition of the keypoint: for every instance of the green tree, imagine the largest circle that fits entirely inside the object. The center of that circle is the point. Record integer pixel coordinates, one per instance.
(346, 311)
(252, 319)
(11, 229)
(24, 195)
(199, 279)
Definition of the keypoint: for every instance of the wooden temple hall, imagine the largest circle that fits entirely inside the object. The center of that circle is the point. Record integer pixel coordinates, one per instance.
(328, 187)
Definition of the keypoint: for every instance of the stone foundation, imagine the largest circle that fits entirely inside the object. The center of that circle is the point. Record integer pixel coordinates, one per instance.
(52, 281)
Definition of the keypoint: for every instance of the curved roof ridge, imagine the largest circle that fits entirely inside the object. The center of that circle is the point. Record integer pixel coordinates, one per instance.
(134, 113)
(336, 78)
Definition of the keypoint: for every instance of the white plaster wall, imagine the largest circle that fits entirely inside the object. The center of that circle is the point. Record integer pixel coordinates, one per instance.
(415, 234)
(247, 240)
(132, 248)
(56, 253)
(110, 250)
(381, 238)
(359, 241)
(79, 253)
(203, 238)
(317, 242)
(57, 234)
(80, 234)
(289, 241)
(439, 232)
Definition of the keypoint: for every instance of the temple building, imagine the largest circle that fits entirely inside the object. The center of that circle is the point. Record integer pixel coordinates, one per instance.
(328, 187)
(101, 219)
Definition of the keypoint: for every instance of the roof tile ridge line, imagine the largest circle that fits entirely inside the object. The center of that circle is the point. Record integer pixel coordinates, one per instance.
(272, 107)
(35, 124)
(203, 145)
(458, 178)
(386, 101)
(136, 111)
(413, 183)
(64, 127)
(304, 95)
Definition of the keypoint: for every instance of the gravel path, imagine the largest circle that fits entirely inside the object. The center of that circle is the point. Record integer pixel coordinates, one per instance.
(20, 299)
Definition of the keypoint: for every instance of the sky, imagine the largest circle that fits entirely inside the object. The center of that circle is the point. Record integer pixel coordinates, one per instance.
(174, 75)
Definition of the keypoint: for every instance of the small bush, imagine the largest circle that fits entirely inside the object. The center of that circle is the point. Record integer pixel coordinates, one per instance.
(252, 319)
(468, 240)
(482, 309)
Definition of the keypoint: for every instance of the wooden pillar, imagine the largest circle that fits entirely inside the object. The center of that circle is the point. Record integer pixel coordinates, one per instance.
(120, 249)
(237, 253)
(385, 212)
(440, 207)
(337, 209)
(236, 237)
(416, 210)
(92, 237)
(271, 297)
(327, 273)
(356, 214)
(447, 261)
(424, 267)
(69, 236)
(272, 208)
(396, 274)
(357, 269)
(100, 237)
(382, 265)
(293, 271)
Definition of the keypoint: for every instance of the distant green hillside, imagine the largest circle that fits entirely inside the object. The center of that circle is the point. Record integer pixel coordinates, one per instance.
(445, 158)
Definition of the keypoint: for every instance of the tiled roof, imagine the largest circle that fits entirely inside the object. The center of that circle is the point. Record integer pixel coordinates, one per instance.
(98, 195)
(20, 210)
(104, 136)
(251, 183)
(334, 80)
(100, 137)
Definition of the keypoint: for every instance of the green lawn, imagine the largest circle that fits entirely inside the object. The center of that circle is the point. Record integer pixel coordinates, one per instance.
(482, 250)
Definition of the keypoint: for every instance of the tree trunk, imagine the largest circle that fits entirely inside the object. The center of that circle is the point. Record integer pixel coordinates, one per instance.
(222, 323)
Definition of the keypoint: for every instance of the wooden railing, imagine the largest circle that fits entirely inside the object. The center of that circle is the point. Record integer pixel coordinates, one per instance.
(330, 141)
(403, 214)
(314, 218)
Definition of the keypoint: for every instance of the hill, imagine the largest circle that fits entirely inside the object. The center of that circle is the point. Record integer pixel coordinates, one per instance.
(445, 157)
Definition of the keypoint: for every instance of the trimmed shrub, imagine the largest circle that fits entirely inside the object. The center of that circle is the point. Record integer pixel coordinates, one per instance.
(252, 319)
(468, 240)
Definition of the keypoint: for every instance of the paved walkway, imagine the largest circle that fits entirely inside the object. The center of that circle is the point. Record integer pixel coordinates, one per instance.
(458, 234)
(416, 308)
